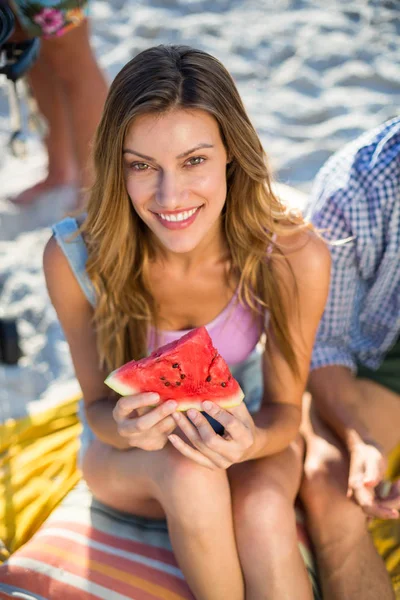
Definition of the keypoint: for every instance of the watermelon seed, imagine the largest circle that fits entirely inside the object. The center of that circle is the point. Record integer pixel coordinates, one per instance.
(183, 376)
(178, 383)
(175, 365)
(208, 378)
(230, 377)
(163, 378)
(223, 384)
(167, 383)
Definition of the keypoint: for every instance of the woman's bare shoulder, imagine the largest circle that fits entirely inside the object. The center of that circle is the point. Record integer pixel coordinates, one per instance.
(308, 256)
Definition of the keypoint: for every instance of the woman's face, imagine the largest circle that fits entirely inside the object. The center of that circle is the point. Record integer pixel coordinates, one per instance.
(175, 175)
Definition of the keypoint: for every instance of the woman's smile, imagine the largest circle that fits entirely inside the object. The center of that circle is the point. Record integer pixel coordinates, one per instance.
(178, 219)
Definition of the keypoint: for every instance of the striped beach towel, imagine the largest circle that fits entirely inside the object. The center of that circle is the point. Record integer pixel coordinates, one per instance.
(86, 550)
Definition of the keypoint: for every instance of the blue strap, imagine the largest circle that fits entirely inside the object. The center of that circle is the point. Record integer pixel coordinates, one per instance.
(76, 253)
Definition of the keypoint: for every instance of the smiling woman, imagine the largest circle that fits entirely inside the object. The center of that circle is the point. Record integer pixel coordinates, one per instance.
(183, 187)
(183, 230)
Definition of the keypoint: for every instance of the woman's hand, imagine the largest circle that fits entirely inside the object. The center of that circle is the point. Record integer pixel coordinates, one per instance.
(208, 448)
(142, 425)
(377, 497)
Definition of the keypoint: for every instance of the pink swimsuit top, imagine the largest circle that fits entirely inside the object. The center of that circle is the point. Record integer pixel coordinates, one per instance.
(235, 333)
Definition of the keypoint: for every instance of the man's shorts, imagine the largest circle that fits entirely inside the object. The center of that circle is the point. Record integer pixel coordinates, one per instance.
(49, 18)
(388, 372)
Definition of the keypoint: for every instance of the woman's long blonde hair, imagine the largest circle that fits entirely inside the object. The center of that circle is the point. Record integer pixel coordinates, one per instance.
(155, 81)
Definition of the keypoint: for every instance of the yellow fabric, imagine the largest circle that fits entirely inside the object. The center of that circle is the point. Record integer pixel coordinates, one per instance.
(386, 534)
(37, 469)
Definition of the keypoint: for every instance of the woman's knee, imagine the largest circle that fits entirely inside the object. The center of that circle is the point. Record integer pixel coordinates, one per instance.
(96, 472)
(189, 490)
(264, 505)
(97, 469)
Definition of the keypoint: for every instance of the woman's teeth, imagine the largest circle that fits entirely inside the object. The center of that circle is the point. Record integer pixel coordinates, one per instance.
(178, 216)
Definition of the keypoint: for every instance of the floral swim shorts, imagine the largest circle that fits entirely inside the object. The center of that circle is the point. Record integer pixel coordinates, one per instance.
(49, 18)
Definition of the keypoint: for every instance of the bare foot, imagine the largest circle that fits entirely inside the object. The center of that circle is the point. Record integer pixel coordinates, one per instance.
(32, 194)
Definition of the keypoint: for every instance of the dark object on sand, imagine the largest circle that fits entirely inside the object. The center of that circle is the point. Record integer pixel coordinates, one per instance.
(10, 351)
(15, 60)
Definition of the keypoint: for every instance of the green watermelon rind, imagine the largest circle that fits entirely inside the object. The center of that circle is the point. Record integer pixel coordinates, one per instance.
(118, 386)
(183, 405)
(229, 402)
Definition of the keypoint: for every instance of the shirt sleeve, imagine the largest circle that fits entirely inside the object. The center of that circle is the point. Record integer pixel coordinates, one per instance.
(333, 339)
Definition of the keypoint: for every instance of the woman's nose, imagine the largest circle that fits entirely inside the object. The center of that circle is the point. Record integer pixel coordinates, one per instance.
(169, 193)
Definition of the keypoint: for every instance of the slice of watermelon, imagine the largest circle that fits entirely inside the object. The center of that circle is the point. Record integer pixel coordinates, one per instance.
(188, 371)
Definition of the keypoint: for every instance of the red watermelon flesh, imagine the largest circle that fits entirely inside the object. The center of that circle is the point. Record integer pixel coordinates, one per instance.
(189, 371)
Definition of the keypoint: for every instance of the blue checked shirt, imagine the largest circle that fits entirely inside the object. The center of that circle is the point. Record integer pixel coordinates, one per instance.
(357, 194)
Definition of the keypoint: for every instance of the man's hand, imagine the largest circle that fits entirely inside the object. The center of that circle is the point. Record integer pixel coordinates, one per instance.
(377, 497)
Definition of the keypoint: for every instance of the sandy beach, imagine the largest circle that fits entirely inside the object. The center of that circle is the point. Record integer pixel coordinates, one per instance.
(312, 75)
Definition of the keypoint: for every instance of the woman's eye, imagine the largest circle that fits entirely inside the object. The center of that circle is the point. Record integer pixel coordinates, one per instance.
(140, 166)
(195, 160)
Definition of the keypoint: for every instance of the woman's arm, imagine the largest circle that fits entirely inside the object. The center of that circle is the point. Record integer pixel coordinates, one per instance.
(75, 315)
(278, 420)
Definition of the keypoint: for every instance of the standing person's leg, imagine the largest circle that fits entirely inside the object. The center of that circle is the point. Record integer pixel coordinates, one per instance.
(70, 89)
(349, 565)
(71, 58)
(49, 94)
(263, 493)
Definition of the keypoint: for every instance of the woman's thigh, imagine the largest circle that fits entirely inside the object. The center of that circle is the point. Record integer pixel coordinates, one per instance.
(123, 480)
(158, 484)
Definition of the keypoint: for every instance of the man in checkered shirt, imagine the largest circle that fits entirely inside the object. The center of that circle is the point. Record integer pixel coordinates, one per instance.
(355, 370)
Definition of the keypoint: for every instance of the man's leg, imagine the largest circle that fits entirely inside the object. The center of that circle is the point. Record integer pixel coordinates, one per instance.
(348, 563)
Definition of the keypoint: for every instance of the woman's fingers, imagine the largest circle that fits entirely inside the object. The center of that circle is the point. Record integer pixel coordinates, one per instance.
(126, 405)
(220, 451)
(153, 439)
(166, 426)
(191, 453)
(149, 420)
(234, 424)
(152, 418)
(195, 433)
